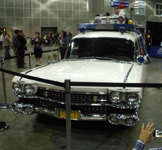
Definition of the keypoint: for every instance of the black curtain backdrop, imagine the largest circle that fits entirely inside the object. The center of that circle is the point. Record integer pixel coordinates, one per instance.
(156, 31)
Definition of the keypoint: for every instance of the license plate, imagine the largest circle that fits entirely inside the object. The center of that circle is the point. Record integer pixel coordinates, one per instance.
(74, 114)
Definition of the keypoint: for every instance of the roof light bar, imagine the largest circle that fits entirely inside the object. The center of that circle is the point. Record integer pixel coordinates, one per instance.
(87, 26)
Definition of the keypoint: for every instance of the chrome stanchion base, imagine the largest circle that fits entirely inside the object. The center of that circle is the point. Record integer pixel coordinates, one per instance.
(3, 126)
(5, 106)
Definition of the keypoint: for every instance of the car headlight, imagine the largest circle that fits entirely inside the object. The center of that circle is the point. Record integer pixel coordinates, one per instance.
(31, 89)
(18, 88)
(132, 98)
(115, 97)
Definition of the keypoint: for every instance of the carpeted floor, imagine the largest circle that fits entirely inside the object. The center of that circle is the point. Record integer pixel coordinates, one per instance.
(89, 140)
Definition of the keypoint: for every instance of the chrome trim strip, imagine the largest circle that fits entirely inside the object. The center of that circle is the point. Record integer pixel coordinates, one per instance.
(45, 111)
(73, 92)
(25, 73)
(92, 118)
(126, 77)
(33, 70)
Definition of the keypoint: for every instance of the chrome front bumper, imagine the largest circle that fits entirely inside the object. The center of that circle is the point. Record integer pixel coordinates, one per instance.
(115, 119)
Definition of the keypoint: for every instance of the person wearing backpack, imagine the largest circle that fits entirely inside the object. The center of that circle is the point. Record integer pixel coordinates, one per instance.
(64, 41)
(16, 44)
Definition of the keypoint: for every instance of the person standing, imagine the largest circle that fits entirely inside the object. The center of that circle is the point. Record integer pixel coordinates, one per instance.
(25, 47)
(1, 39)
(16, 44)
(37, 44)
(64, 41)
(148, 41)
(7, 43)
(21, 51)
(70, 36)
(21, 33)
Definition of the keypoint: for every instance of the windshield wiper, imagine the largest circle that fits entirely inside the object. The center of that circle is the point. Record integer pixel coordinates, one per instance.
(96, 57)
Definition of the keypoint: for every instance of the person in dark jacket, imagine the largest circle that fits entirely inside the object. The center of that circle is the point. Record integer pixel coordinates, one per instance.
(25, 47)
(15, 43)
(64, 41)
(37, 44)
(21, 51)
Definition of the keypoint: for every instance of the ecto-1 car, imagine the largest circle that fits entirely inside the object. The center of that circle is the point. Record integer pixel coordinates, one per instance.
(99, 53)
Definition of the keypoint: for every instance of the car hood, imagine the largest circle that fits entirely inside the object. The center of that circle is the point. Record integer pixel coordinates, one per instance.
(87, 71)
(83, 71)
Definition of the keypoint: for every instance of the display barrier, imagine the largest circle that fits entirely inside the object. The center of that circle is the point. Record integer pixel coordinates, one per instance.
(5, 104)
(33, 53)
(68, 84)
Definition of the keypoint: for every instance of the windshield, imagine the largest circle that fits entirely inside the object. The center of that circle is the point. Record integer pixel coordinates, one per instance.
(98, 48)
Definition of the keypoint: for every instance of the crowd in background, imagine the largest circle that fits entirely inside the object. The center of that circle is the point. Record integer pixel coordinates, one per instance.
(19, 45)
(63, 38)
(52, 38)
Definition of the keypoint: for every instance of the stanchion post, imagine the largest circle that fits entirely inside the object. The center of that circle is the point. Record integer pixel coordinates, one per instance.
(30, 60)
(58, 54)
(68, 113)
(4, 105)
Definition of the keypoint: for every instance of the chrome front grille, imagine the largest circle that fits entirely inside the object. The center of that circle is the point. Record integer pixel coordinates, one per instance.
(76, 98)
(83, 102)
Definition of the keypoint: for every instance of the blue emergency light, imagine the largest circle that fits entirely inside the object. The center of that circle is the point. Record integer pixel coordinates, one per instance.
(86, 26)
(122, 30)
(140, 59)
